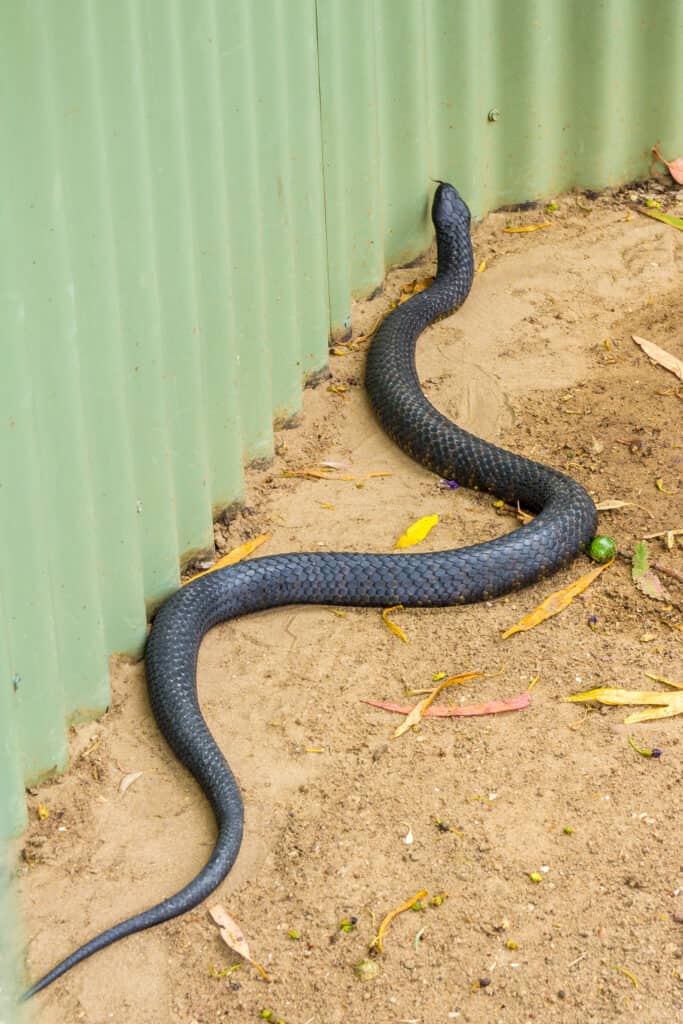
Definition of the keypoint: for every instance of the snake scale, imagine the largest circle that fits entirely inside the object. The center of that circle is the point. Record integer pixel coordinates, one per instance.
(565, 522)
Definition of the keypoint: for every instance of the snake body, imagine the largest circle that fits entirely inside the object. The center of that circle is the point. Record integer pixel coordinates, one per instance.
(565, 521)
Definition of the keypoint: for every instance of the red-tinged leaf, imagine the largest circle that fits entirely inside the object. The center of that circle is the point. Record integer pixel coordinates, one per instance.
(493, 707)
(675, 166)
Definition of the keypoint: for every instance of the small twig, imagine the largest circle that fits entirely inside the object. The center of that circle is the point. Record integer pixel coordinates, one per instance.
(668, 572)
(577, 961)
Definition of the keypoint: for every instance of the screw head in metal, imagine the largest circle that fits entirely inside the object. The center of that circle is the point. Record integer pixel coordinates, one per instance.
(493, 114)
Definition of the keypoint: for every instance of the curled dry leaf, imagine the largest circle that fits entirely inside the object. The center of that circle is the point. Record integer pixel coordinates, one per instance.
(377, 944)
(395, 629)
(128, 780)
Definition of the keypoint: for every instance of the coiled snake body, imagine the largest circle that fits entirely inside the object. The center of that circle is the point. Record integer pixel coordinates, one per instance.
(565, 522)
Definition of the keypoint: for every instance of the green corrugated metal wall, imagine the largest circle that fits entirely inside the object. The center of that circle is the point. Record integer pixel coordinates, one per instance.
(190, 193)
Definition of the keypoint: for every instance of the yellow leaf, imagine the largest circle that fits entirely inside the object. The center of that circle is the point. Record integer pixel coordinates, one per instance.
(555, 602)
(482, 267)
(234, 556)
(377, 942)
(392, 625)
(659, 484)
(417, 532)
(418, 711)
(527, 227)
(670, 704)
(415, 287)
(366, 337)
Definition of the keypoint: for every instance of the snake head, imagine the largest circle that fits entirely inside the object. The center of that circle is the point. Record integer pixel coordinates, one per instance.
(448, 208)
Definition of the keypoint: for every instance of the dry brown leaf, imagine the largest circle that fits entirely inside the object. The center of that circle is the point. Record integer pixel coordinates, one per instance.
(555, 602)
(233, 936)
(660, 356)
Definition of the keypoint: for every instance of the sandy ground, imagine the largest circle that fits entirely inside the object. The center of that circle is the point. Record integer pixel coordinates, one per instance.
(540, 359)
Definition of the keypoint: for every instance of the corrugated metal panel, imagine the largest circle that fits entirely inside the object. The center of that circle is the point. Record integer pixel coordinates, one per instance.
(582, 89)
(190, 196)
(163, 296)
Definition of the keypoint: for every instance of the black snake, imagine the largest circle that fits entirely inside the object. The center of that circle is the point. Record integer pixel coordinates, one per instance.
(564, 523)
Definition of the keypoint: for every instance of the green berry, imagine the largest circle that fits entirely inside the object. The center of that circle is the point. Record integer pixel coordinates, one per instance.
(602, 549)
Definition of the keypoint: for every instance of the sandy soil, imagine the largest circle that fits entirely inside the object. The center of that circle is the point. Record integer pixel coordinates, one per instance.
(541, 359)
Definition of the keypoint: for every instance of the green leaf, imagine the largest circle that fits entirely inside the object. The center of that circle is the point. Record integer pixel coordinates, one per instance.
(666, 218)
(643, 577)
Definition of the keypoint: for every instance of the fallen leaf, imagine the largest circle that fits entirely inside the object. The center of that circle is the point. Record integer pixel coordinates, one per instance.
(42, 812)
(233, 936)
(665, 218)
(317, 474)
(418, 711)
(659, 484)
(622, 970)
(377, 942)
(662, 679)
(417, 532)
(555, 602)
(670, 704)
(369, 334)
(128, 780)
(482, 267)
(643, 576)
(675, 166)
(396, 630)
(234, 556)
(415, 287)
(609, 506)
(492, 707)
(660, 356)
(527, 227)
